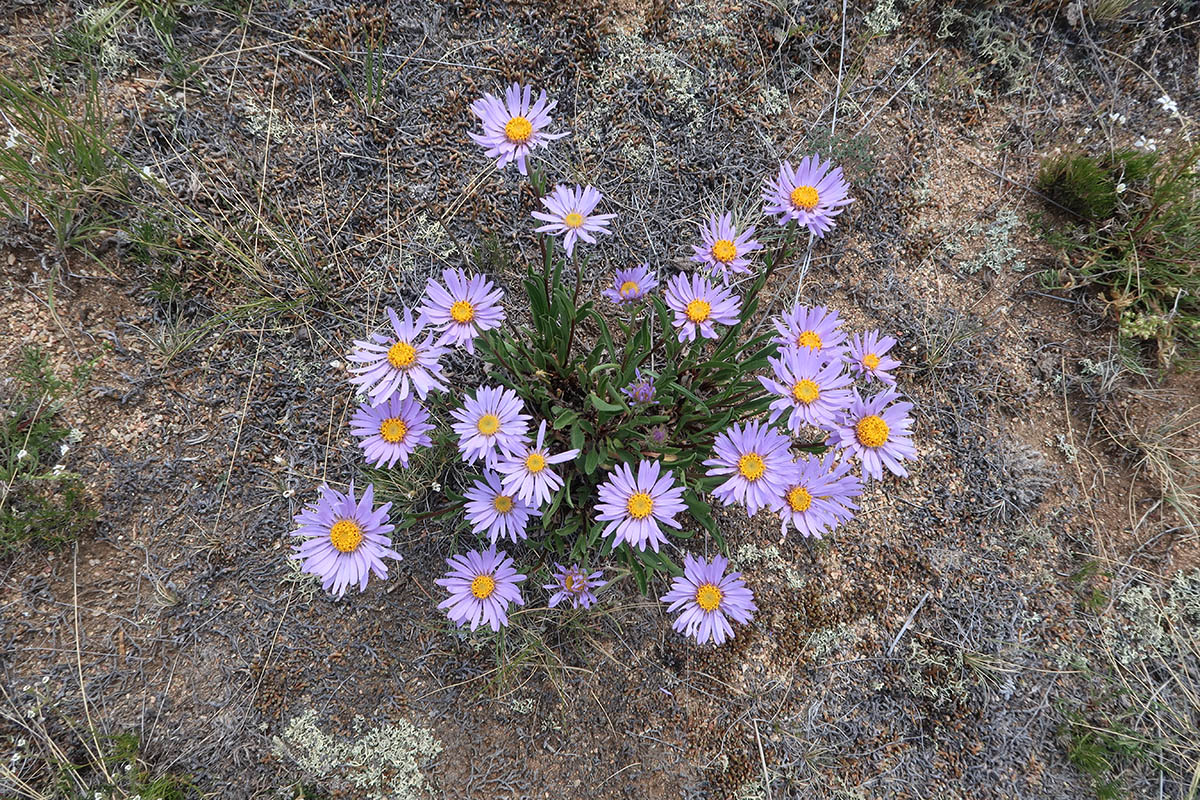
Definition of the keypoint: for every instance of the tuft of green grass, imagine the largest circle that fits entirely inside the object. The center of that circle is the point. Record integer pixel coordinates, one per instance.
(56, 163)
(1136, 235)
(41, 503)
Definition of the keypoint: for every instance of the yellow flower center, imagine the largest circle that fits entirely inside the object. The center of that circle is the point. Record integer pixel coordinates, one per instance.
(640, 505)
(809, 339)
(872, 431)
(805, 391)
(870, 361)
(751, 466)
(393, 430)
(345, 535)
(488, 424)
(708, 597)
(698, 310)
(402, 355)
(569, 582)
(502, 503)
(799, 499)
(518, 130)
(804, 197)
(573, 220)
(629, 288)
(724, 251)
(483, 586)
(462, 311)
(535, 462)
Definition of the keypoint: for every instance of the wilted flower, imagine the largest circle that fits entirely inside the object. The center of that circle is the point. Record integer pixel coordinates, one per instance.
(463, 308)
(632, 284)
(633, 506)
(481, 585)
(346, 539)
(698, 306)
(811, 387)
(811, 194)
(573, 584)
(709, 599)
(725, 250)
(570, 215)
(819, 495)
(490, 425)
(390, 363)
(868, 356)
(391, 431)
(641, 390)
(512, 127)
(490, 509)
(816, 328)
(527, 471)
(758, 462)
(878, 433)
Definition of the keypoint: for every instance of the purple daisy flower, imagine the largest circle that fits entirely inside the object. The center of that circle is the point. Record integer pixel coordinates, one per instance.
(877, 430)
(391, 431)
(725, 250)
(816, 328)
(527, 472)
(812, 194)
(815, 390)
(464, 308)
(513, 127)
(633, 507)
(709, 599)
(868, 356)
(641, 390)
(758, 462)
(481, 585)
(490, 425)
(570, 215)
(572, 583)
(345, 539)
(698, 305)
(630, 285)
(490, 509)
(819, 495)
(390, 364)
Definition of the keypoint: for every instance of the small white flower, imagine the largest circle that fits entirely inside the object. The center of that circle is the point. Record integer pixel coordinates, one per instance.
(1168, 105)
(58, 469)
(22, 454)
(63, 449)
(437, 487)
(288, 493)
(1120, 187)
(1143, 143)
(11, 141)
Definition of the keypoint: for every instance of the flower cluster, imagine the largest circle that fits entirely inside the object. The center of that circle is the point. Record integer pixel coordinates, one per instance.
(820, 390)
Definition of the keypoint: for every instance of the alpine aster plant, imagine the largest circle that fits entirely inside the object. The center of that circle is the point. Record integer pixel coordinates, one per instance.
(625, 462)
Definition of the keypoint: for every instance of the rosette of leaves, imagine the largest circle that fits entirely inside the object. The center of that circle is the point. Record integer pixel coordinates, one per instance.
(569, 369)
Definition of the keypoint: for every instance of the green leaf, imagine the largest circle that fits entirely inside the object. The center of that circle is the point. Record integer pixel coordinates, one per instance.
(604, 405)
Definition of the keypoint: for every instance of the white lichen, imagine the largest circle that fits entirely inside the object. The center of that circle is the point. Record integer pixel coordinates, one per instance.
(383, 762)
